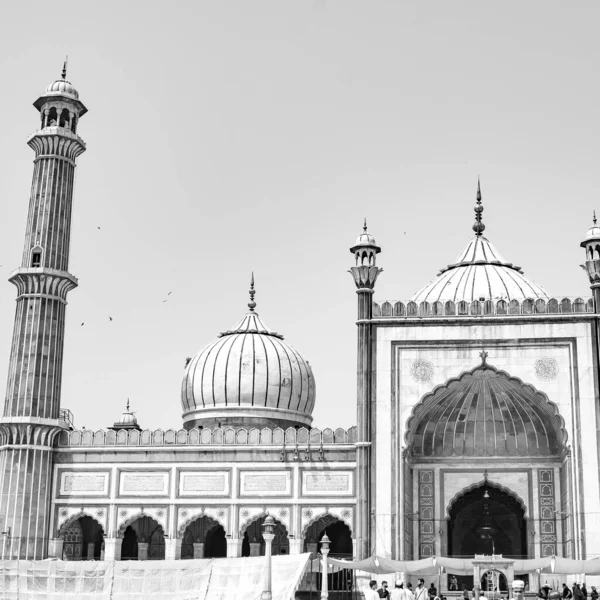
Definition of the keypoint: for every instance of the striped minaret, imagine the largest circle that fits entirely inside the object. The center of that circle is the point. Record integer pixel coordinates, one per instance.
(31, 420)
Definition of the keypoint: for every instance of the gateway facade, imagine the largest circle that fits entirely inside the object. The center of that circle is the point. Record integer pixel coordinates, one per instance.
(474, 402)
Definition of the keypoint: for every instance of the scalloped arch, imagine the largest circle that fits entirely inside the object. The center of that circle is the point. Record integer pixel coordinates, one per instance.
(188, 522)
(539, 427)
(66, 524)
(123, 526)
(491, 484)
(257, 517)
(326, 513)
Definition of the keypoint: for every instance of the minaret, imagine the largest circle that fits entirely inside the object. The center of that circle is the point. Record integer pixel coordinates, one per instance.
(365, 275)
(31, 420)
(591, 243)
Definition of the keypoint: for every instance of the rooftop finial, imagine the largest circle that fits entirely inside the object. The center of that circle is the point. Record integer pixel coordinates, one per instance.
(64, 71)
(365, 225)
(127, 407)
(478, 226)
(252, 304)
(594, 219)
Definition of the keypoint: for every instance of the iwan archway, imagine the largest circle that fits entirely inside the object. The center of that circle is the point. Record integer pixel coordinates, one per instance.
(486, 422)
(487, 520)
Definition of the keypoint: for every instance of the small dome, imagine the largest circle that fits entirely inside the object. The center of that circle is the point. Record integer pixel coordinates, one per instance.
(593, 233)
(248, 377)
(127, 420)
(480, 272)
(62, 87)
(365, 239)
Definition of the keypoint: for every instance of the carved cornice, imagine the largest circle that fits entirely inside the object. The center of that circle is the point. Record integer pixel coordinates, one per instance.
(57, 141)
(43, 282)
(365, 276)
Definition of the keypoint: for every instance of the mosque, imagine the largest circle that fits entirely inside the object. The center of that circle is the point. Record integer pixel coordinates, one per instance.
(473, 401)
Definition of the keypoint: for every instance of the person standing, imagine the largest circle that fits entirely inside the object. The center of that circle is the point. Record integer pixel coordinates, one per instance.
(566, 592)
(408, 592)
(584, 591)
(371, 591)
(577, 595)
(482, 596)
(383, 590)
(453, 583)
(420, 591)
(398, 592)
(432, 591)
(594, 593)
(465, 592)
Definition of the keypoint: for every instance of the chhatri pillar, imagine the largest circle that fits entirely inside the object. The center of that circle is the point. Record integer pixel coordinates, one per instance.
(365, 274)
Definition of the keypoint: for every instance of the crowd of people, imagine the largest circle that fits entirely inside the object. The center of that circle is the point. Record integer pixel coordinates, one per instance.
(400, 591)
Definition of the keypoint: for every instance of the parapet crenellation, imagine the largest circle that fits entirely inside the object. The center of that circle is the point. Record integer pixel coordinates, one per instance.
(483, 308)
(208, 436)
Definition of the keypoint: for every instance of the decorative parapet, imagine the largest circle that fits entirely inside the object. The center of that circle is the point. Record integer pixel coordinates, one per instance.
(487, 308)
(289, 438)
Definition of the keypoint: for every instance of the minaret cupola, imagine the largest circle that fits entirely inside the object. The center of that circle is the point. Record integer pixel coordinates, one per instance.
(591, 243)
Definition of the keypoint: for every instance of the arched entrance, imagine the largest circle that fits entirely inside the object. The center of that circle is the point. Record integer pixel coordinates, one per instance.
(337, 531)
(204, 538)
(83, 539)
(487, 520)
(253, 543)
(143, 539)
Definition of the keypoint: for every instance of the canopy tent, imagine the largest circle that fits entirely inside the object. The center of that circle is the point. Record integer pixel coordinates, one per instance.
(464, 566)
(208, 579)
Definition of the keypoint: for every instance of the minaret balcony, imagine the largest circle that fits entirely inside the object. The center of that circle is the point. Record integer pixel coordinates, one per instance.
(44, 282)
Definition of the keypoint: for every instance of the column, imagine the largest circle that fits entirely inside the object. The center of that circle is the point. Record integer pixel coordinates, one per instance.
(234, 547)
(199, 550)
(254, 548)
(143, 550)
(268, 535)
(296, 546)
(173, 549)
(112, 548)
(55, 548)
(91, 549)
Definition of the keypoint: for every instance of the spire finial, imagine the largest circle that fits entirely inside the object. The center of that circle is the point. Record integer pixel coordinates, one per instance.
(252, 304)
(594, 218)
(478, 226)
(127, 407)
(365, 225)
(64, 71)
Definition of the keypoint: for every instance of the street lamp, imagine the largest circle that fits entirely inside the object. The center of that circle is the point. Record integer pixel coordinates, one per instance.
(268, 535)
(324, 582)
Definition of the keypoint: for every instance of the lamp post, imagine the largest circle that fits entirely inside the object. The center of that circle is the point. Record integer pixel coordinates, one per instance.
(268, 535)
(324, 582)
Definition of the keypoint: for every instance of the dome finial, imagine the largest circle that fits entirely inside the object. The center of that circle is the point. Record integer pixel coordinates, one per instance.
(365, 225)
(252, 304)
(478, 226)
(594, 219)
(127, 406)
(64, 71)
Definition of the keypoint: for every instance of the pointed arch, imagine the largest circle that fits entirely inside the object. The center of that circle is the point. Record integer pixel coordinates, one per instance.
(448, 420)
(72, 519)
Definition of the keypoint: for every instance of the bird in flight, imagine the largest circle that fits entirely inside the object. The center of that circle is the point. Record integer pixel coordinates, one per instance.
(82, 324)
(110, 318)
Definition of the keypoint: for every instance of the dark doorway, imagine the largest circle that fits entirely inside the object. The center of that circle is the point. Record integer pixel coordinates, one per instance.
(487, 520)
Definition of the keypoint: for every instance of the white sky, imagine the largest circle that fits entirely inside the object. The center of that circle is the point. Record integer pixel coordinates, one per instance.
(225, 137)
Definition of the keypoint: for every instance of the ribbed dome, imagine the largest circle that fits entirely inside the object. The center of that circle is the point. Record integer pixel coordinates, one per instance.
(62, 87)
(248, 377)
(485, 412)
(127, 420)
(479, 272)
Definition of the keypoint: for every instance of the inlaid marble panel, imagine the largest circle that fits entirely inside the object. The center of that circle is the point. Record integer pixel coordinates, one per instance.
(265, 483)
(204, 483)
(92, 483)
(143, 483)
(319, 483)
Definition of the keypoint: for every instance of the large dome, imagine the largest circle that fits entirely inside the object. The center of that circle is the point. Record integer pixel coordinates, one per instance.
(248, 377)
(480, 273)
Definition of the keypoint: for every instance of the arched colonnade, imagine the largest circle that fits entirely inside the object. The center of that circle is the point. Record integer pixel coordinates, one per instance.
(141, 537)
